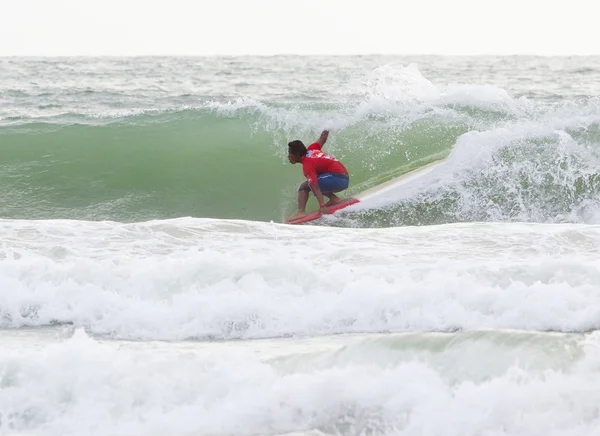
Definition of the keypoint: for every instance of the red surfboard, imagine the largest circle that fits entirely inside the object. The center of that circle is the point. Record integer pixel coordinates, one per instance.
(331, 209)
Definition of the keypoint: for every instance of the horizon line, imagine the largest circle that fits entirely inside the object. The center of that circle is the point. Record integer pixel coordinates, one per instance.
(293, 54)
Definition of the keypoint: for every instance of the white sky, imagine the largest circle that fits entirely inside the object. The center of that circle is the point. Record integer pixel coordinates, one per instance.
(200, 27)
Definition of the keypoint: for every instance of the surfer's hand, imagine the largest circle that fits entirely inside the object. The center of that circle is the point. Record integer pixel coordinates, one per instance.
(323, 138)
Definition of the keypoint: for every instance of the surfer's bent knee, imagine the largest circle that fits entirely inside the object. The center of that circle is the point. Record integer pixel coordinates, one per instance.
(304, 186)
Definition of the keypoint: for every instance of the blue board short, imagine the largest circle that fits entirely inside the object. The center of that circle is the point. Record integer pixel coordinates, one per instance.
(329, 183)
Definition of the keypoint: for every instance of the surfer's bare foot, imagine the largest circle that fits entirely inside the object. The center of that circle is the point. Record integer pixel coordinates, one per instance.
(297, 216)
(333, 200)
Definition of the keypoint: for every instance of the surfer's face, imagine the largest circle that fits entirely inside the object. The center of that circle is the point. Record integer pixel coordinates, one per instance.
(293, 158)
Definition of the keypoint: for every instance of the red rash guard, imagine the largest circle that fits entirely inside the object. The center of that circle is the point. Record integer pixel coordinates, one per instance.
(316, 162)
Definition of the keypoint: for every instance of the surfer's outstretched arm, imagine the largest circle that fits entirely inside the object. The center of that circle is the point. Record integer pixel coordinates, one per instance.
(323, 138)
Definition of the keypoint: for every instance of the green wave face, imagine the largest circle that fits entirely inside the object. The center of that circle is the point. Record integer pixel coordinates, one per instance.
(193, 163)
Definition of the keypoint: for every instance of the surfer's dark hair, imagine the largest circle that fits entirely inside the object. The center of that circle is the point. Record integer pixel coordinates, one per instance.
(297, 148)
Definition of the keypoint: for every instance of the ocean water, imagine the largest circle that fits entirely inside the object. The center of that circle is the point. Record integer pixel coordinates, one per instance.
(148, 287)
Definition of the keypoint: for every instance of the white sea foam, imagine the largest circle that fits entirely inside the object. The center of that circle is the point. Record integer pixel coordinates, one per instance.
(535, 163)
(191, 278)
(347, 386)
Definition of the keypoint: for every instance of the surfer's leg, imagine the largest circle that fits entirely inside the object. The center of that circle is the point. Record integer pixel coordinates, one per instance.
(303, 192)
(302, 199)
(330, 183)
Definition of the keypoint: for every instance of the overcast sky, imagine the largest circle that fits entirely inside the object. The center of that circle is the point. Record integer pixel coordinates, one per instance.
(200, 27)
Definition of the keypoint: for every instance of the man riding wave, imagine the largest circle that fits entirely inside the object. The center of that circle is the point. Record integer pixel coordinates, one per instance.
(325, 175)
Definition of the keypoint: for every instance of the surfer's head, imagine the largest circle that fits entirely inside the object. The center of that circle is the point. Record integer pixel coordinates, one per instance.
(296, 151)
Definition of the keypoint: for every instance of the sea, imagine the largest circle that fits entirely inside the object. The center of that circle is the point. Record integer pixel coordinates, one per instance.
(149, 285)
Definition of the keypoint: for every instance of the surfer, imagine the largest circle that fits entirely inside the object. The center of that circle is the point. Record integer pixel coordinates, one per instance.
(325, 175)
